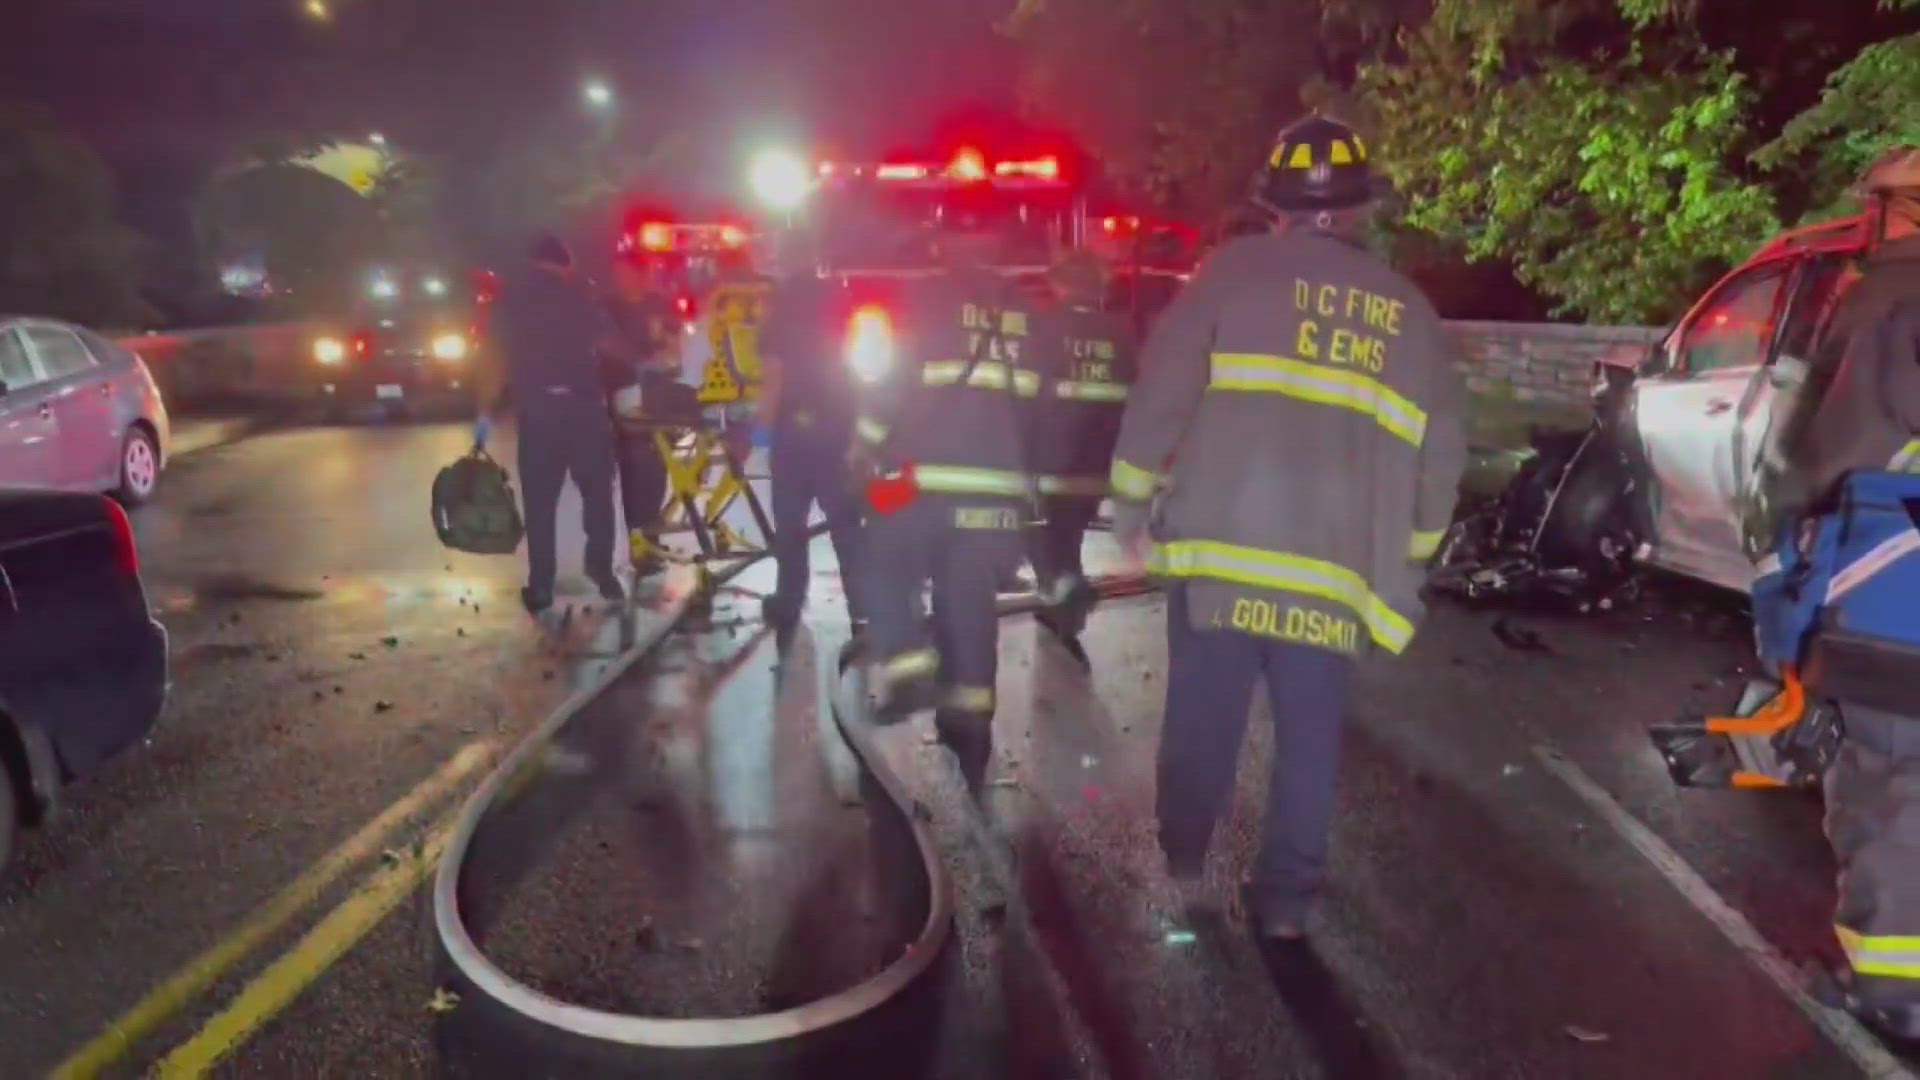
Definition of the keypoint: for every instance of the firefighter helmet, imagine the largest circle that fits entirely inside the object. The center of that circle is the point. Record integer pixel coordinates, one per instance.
(1316, 164)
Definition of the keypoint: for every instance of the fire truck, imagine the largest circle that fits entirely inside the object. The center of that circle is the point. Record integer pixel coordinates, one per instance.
(879, 221)
(692, 253)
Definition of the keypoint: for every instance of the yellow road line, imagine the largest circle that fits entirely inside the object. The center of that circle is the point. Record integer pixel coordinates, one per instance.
(276, 987)
(204, 970)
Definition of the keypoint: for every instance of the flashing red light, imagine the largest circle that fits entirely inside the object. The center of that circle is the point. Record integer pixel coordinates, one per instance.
(732, 236)
(901, 172)
(656, 236)
(684, 304)
(1046, 168)
(362, 343)
(968, 164)
(126, 553)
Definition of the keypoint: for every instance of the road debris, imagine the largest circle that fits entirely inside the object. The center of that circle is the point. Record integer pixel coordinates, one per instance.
(1519, 638)
(1587, 1035)
(443, 1001)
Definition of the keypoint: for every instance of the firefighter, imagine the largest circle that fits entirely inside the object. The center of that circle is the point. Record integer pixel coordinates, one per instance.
(1292, 451)
(1860, 410)
(806, 399)
(551, 331)
(949, 421)
(1083, 399)
(642, 309)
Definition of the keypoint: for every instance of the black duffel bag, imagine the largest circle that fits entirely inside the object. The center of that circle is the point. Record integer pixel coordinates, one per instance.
(474, 508)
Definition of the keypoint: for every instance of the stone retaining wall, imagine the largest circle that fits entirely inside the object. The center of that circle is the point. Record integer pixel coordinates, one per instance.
(1546, 363)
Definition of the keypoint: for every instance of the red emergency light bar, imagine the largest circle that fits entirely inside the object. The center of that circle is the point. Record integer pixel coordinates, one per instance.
(661, 236)
(968, 166)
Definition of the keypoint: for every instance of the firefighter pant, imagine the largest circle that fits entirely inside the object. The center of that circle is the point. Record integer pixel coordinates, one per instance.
(963, 547)
(643, 479)
(1057, 541)
(562, 435)
(1873, 822)
(807, 468)
(1210, 680)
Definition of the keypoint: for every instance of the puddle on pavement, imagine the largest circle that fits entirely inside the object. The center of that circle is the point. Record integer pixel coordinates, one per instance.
(692, 852)
(236, 589)
(214, 652)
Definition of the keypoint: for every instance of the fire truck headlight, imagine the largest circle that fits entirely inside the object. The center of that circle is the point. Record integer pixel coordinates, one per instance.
(870, 345)
(329, 350)
(450, 347)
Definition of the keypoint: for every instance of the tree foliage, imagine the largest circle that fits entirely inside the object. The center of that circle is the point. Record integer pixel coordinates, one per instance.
(1594, 146)
(62, 250)
(1607, 185)
(1868, 104)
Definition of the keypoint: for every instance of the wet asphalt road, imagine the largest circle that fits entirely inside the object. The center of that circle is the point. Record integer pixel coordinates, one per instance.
(1483, 919)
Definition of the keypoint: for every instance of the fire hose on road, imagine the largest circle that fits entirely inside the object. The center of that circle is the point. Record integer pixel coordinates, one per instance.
(498, 1013)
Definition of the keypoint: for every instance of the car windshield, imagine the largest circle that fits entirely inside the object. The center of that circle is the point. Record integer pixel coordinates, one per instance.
(412, 318)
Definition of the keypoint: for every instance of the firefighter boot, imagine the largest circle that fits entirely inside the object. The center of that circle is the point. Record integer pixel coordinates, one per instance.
(969, 735)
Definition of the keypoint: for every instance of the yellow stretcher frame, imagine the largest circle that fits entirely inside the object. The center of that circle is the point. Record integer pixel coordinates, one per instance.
(706, 476)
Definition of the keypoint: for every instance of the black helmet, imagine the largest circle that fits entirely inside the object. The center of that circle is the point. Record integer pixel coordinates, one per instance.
(1316, 164)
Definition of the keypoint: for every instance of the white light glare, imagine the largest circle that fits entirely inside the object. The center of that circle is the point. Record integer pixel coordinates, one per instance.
(780, 179)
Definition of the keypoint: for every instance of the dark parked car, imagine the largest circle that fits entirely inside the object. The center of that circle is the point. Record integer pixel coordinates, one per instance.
(83, 664)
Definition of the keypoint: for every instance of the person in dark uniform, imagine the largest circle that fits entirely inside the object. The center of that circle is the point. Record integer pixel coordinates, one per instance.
(949, 420)
(642, 311)
(1083, 397)
(550, 330)
(806, 398)
(1292, 452)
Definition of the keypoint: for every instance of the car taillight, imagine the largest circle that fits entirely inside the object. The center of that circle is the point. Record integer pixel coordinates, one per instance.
(126, 554)
(362, 344)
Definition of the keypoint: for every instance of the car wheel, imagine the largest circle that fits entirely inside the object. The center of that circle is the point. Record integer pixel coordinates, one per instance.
(139, 467)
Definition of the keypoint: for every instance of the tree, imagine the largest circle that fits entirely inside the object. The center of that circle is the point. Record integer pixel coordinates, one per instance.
(316, 236)
(1607, 184)
(62, 250)
(1866, 106)
(1595, 146)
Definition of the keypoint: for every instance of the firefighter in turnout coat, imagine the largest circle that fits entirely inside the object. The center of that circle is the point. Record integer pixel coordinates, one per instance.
(1292, 450)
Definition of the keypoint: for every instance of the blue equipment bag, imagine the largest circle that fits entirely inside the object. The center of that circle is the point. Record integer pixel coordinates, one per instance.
(1844, 603)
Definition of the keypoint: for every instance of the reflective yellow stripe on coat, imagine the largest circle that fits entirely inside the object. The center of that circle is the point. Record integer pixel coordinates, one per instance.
(987, 375)
(1286, 573)
(1885, 956)
(1906, 459)
(1132, 481)
(962, 480)
(1070, 390)
(1322, 384)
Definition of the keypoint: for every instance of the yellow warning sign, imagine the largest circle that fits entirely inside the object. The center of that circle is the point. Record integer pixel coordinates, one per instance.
(733, 329)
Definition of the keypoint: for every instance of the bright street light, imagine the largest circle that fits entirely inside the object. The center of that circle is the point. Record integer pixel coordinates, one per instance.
(318, 10)
(780, 179)
(597, 93)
